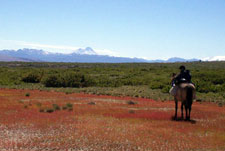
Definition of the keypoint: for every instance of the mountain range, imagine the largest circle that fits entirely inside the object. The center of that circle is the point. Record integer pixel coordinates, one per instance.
(87, 55)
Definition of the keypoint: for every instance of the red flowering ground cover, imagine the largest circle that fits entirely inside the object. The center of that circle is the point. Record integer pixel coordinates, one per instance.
(104, 123)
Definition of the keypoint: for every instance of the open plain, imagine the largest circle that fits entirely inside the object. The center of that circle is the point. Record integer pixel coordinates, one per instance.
(42, 120)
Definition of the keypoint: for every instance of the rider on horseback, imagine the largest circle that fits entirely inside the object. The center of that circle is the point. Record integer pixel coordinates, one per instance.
(183, 77)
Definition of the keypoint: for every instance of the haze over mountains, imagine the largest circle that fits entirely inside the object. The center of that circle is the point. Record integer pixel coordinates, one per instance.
(80, 55)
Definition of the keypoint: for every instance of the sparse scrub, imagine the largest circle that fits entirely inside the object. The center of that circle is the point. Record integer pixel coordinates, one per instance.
(126, 79)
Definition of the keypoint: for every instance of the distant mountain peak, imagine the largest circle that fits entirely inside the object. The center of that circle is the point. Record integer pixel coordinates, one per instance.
(86, 51)
(177, 59)
(32, 51)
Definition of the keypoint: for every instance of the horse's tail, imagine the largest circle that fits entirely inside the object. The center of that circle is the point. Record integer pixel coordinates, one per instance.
(189, 94)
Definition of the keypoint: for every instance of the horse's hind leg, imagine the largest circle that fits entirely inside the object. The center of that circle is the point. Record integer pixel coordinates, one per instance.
(189, 116)
(186, 111)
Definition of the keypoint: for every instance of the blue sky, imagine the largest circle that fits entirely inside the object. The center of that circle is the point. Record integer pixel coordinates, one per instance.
(153, 29)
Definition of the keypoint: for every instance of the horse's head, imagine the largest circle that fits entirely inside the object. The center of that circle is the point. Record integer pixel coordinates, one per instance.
(173, 76)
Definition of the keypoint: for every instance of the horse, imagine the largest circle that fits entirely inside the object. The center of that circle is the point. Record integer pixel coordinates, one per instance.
(185, 93)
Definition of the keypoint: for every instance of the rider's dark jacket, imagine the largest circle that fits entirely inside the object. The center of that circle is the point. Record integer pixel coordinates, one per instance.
(183, 77)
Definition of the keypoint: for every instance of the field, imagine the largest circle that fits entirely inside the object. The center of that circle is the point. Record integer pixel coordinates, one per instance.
(42, 120)
(73, 106)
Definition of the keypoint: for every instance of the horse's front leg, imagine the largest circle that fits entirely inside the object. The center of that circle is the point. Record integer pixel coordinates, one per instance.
(176, 103)
(182, 113)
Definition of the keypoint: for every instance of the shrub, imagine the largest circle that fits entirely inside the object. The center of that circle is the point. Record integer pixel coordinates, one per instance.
(64, 107)
(67, 92)
(32, 78)
(220, 104)
(52, 81)
(49, 110)
(69, 79)
(91, 103)
(70, 109)
(27, 94)
(69, 105)
(55, 107)
(131, 102)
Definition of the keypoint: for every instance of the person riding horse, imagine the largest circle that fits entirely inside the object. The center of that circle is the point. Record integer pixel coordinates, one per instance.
(183, 90)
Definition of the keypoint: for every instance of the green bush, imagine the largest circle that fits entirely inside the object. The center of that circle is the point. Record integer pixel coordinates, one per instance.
(32, 78)
(52, 81)
(69, 105)
(68, 79)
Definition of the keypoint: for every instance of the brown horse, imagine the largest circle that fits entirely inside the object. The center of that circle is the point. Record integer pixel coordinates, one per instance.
(185, 93)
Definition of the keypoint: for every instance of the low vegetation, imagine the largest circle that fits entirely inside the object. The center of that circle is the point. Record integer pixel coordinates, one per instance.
(147, 80)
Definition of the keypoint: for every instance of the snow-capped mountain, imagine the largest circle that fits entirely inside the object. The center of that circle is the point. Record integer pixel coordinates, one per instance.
(216, 58)
(82, 55)
(86, 51)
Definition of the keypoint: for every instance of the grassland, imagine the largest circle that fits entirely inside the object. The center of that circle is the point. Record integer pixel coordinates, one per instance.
(144, 80)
